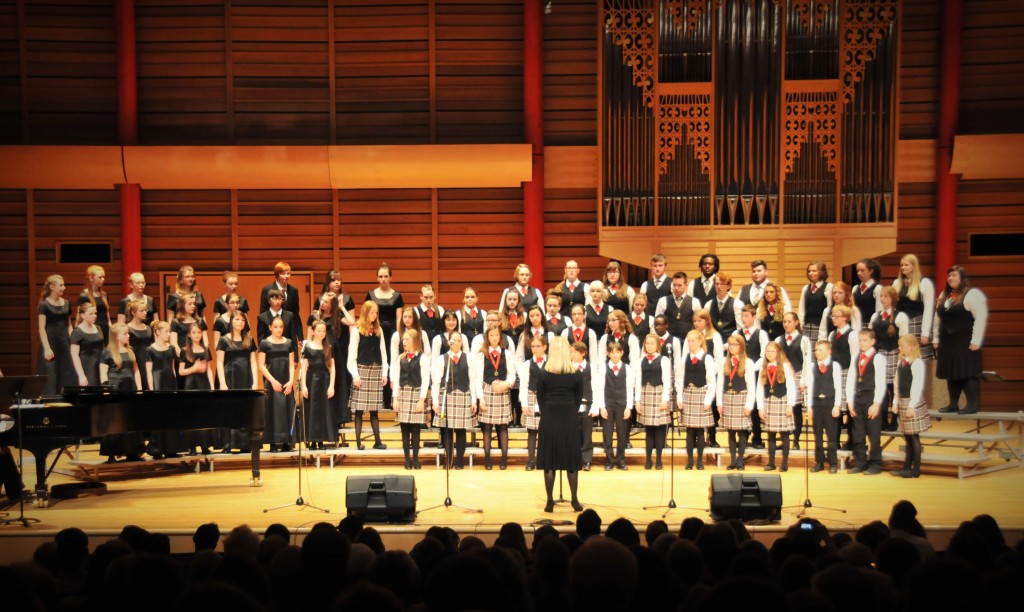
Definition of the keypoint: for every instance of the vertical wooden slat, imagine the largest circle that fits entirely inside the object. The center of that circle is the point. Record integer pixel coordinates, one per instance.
(229, 74)
(234, 229)
(432, 78)
(23, 74)
(332, 95)
(435, 278)
(30, 229)
(335, 224)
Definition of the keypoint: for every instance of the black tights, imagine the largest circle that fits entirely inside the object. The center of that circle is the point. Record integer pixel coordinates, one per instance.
(411, 439)
(531, 445)
(654, 437)
(737, 446)
(969, 387)
(912, 461)
(772, 446)
(694, 440)
(374, 424)
(549, 484)
(502, 440)
(460, 445)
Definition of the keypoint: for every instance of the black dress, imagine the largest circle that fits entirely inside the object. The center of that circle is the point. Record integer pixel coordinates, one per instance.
(342, 379)
(955, 359)
(321, 424)
(102, 311)
(559, 397)
(237, 375)
(90, 349)
(140, 341)
(60, 371)
(198, 381)
(172, 303)
(280, 407)
(166, 442)
(121, 379)
(387, 312)
(122, 308)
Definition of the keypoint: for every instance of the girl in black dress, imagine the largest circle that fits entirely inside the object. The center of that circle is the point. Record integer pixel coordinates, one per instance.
(236, 369)
(54, 326)
(141, 336)
(185, 283)
(138, 284)
(317, 374)
(528, 295)
(598, 308)
(961, 318)
(222, 324)
(642, 322)
(367, 364)
(94, 294)
(230, 288)
(277, 364)
(559, 395)
(389, 307)
(119, 369)
(815, 297)
(159, 373)
(87, 346)
(620, 295)
(196, 374)
(183, 321)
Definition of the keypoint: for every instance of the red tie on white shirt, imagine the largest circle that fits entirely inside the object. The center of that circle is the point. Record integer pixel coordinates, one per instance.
(580, 368)
(615, 369)
(637, 320)
(905, 362)
(572, 286)
(822, 368)
(650, 357)
(455, 359)
(410, 356)
(578, 335)
(694, 361)
(554, 320)
(885, 316)
(863, 361)
(613, 288)
(539, 361)
(814, 288)
(430, 313)
(789, 338)
(525, 290)
(537, 332)
(863, 287)
(839, 335)
(747, 332)
(494, 354)
(513, 319)
(472, 313)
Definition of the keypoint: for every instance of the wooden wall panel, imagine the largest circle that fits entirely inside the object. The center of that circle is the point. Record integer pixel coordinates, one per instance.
(992, 62)
(293, 226)
(17, 314)
(570, 74)
(919, 69)
(10, 74)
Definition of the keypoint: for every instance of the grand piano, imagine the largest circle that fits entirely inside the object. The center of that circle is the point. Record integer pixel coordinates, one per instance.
(91, 412)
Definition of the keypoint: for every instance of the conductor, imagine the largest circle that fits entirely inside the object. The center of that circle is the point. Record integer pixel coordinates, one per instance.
(560, 399)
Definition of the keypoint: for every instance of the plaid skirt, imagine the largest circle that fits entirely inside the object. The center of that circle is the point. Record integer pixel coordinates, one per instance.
(530, 420)
(694, 414)
(892, 359)
(495, 408)
(731, 410)
(648, 408)
(428, 403)
(916, 422)
(801, 397)
(927, 352)
(458, 410)
(774, 416)
(405, 406)
(369, 397)
(810, 330)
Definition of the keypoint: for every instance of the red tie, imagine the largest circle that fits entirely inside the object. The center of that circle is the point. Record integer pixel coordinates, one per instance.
(525, 290)
(823, 368)
(885, 316)
(863, 287)
(662, 342)
(455, 359)
(650, 357)
(613, 288)
(735, 363)
(494, 354)
(580, 368)
(554, 320)
(789, 338)
(572, 286)
(539, 361)
(814, 288)
(863, 361)
(536, 332)
(839, 335)
(513, 319)
(693, 361)
(637, 320)
(410, 356)
(615, 369)
(430, 313)
(771, 310)
(578, 335)
(905, 364)
(472, 313)
(747, 332)
(617, 335)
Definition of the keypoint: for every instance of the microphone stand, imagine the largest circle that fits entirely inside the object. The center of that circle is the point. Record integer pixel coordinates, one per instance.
(17, 385)
(300, 416)
(807, 505)
(672, 470)
(448, 436)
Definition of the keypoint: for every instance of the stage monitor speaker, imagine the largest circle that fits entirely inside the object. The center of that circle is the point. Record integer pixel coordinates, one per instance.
(381, 499)
(746, 497)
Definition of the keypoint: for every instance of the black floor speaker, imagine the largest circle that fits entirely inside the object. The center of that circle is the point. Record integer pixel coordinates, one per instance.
(746, 497)
(381, 499)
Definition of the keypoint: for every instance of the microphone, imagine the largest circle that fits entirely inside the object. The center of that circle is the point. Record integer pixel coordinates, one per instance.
(444, 383)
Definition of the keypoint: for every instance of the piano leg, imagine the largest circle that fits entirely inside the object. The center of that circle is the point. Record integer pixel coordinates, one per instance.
(42, 490)
(255, 444)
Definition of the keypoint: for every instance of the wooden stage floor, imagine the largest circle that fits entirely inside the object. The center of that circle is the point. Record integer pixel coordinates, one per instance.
(176, 502)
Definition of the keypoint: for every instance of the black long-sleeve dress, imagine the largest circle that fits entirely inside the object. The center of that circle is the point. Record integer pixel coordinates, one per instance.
(61, 370)
(280, 407)
(559, 397)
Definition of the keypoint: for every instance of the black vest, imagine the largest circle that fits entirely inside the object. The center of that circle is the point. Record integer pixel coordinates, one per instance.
(526, 300)
(409, 371)
(824, 386)
(698, 289)
(680, 320)
(623, 341)
(650, 371)
(459, 374)
(753, 344)
(955, 319)
(640, 330)
(913, 308)
(615, 387)
(535, 373)
(724, 318)
(491, 373)
(736, 383)
(432, 325)
(598, 320)
(696, 373)
(865, 302)
(814, 304)
(471, 327)
(779, 388)
(618, 303)
(865, 381)
(368, 352)
(841, 349)
(793, 351)
(654, 293)
(585, 339)
(884, 340)
(906, 376)
(569, 299)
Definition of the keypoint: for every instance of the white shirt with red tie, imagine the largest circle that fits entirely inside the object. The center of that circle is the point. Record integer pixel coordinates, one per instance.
(710, 379)
(632, 343)
(524, 373)
(762, 336)
(615, 369)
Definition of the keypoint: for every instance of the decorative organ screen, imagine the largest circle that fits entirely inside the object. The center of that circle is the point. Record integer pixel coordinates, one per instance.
(748, 112)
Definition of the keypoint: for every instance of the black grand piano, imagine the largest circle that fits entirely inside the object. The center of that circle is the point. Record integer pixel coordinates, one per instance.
(90, 412)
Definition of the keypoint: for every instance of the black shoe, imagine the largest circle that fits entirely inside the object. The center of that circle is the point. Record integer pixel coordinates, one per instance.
(700, 466)
(458, 466)
(629, 445)
(740, 466)
(621, 466)
(377, 446)
(968, 410)
(784, 468)
(609, 467)
(657, 465)
(286, 448)
(817, 468)
(832, 469)
(488, 465)
(157, 455)
(770, 467)
(586, 467)
(531, 466)
(360, 447)
(648, 465)
(731, 466)
(577, 506)
(904, 473)
(549, 507)
(408, 464)
(504, 465)
(872, 471)
(689, 466)
(416, 464)
(796, 446)
(757, 445)
(856, 470)
(713, 443)
(949, 409)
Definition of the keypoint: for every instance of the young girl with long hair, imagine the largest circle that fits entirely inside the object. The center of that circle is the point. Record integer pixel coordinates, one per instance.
(815, 297)
(653, 381)
(841, 296)
(495, 373)
(618, 328)
(367, 364)
(620, 294)
(222, 324)
(695, 392)
(138, 284)
(54, 328)
(800, 352)
(196, 373)
(94, 294)
(454, 400)
(513, 317)
(87, 346)
(917, 300)
(410, 384)
(911, 404)
(529, 372)
(889, 325)
(317, 374)
(159, 375)
(776, 394)
(140, 337)
(119, 369)
(185, 283)
(770, 310)
(236, 369)
(276, 362)
(735, 391)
